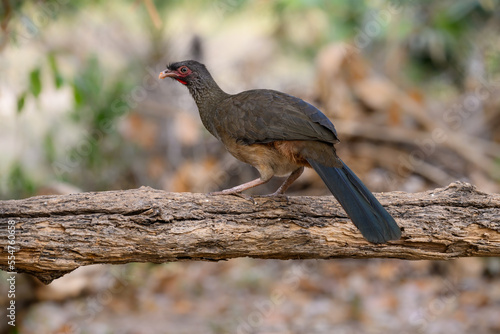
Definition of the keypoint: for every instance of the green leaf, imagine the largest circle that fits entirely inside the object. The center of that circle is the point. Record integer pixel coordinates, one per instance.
(78, 94)
(20, 102)
(58, 80)
(35, 82)
(49, 147)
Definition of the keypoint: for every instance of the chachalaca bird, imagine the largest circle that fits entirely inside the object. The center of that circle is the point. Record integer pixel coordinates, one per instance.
(280, 134)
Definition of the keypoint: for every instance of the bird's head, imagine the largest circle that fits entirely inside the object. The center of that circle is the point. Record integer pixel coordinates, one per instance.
(187, 72)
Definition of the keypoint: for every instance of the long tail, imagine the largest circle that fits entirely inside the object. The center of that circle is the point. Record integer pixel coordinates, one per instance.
(365, 211)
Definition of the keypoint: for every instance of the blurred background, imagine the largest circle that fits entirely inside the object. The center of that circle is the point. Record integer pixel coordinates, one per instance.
(413, 88)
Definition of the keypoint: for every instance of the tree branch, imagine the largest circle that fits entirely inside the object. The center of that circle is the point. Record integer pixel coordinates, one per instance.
(57, 234)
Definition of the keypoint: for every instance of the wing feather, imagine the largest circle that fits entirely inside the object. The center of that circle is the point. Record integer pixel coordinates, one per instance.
(263, 116)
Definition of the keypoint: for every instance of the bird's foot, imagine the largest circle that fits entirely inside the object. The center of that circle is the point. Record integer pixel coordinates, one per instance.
(236, 191)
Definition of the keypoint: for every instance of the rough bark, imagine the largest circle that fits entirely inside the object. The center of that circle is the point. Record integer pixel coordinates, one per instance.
(57, 234)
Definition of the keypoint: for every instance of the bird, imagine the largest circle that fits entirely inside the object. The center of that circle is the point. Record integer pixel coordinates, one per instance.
(280, 135)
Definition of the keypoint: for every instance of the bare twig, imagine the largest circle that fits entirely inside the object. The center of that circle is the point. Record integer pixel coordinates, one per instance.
(153, 13)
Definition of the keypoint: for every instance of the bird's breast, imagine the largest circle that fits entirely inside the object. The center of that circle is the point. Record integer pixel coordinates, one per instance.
(275, 158)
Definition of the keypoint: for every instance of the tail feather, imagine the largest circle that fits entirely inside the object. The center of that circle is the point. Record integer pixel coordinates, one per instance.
(365, 211)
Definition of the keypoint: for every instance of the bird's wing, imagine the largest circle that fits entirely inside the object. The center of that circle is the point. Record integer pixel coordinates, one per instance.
(263, 116)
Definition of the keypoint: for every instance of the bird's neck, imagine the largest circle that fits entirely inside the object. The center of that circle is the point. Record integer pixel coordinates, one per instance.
(208, 96)
(206, 91)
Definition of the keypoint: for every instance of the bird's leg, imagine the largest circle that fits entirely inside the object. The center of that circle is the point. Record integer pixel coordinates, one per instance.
(238, 189)
(288, 182)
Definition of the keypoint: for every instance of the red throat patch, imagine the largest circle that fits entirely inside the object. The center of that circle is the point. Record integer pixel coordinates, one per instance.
(181, 81)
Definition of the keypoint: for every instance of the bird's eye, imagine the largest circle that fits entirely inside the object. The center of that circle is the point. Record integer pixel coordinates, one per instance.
(183, 69)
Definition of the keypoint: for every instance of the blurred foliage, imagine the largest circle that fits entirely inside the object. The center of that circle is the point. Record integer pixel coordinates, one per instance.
(35, 82)
(94, 92)
(19, 182)
(440, 40)
(95, 112)
(58, 80)
(435, 36)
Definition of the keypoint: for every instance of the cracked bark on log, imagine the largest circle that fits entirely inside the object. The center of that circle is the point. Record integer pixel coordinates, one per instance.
(57, 234)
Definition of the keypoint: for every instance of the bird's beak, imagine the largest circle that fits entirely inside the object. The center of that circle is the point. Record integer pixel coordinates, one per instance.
(167, 74)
